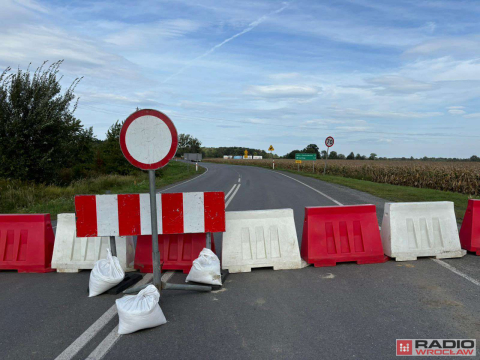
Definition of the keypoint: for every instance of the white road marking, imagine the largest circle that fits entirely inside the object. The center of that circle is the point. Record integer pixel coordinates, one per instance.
(321, 193)
(98, 325)
(228, 194)
(104, 347)
(233, 195)
(456, 271)
(238, 179)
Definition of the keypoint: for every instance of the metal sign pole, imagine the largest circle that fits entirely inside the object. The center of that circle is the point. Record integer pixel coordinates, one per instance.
(113, 246)
(209, 241)
(313, 165)
(326, 157)
(157, 271)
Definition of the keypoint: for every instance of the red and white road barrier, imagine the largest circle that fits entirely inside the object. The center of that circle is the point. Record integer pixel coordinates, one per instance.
(129, 214)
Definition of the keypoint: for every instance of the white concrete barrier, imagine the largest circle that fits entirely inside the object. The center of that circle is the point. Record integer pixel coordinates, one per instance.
(72, 254)
(411, 230)
(262, 238)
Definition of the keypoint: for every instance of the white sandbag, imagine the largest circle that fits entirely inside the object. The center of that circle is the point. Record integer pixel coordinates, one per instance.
(206, 269)
(106, 274)
(141, 311)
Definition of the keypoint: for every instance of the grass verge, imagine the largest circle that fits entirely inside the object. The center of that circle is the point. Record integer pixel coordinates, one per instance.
(25, 198)
(397, 193)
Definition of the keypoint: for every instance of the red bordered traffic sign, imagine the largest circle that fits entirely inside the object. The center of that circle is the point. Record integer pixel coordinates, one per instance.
(329, 141)
(148, 139)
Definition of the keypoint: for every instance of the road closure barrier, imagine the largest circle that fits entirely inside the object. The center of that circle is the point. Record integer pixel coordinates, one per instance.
(177, 251)
(262, 238)
(470, 231)
(411, 230)
(72, 253)
(129, 214)
(334, 234)
(26, 243)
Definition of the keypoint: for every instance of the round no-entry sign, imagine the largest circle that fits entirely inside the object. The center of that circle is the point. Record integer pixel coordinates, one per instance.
(329, 141)
(148, 139)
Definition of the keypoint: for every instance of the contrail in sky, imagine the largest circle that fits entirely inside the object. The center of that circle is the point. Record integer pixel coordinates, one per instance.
(250, 27)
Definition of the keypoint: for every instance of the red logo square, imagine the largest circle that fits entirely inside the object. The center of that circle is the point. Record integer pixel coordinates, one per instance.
(404, 347)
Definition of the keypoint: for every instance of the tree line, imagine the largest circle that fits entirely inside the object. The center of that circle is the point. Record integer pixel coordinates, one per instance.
(212, 152)
(43, 141)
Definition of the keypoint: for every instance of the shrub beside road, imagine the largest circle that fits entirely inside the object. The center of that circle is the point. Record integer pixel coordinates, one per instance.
(27, 197)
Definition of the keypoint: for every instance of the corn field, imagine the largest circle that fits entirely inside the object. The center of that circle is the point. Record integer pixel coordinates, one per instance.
(460, 177)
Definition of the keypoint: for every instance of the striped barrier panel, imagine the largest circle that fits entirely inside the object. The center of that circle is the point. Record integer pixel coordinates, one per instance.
(129, 214)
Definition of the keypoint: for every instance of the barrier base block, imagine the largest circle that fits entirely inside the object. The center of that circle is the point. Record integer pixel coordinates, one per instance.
(68, 271)
(29, 269)
(362, 261)
(444, 255)
(129, 280)
(224, 275)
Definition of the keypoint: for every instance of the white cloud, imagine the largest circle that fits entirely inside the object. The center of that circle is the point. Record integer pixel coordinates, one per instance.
(282, 91)
(399, 84)
(348, 112)
(456, 112)
(460, 46)
(149, 33)
(472, 116)
(284, 76)
(352, 128)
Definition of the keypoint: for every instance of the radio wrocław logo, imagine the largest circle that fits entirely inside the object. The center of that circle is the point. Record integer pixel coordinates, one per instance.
(436, 347)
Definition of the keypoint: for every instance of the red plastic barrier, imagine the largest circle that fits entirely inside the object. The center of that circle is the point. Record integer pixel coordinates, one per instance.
(470, 231)
(26, 243)
(177, 251)
(341, 233)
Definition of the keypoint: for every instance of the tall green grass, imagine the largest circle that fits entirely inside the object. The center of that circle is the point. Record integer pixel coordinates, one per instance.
(17, 197)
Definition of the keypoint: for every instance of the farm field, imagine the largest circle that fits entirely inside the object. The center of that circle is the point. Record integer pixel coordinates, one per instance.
(458, 177)
(390, 180)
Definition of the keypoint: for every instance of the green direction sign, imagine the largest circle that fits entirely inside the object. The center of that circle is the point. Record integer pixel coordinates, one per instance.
(305, 156)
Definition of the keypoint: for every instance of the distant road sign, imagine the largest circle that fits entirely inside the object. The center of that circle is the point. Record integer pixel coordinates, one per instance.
(148, 139)
(271, 148)
(298, 161)
(300, 156)
(329, 141)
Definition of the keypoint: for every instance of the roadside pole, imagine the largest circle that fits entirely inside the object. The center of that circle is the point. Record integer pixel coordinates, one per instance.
(157, 270)
(271, 149)
(326, 157)
(329, 141)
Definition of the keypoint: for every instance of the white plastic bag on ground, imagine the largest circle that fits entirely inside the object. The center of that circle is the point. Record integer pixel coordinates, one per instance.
(206, 269)
(137, 312)
(106, 274)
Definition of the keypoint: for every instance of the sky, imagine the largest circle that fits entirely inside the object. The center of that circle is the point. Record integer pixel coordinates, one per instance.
(396, 78)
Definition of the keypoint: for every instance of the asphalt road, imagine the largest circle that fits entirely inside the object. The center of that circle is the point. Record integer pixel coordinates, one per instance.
(346, 311)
